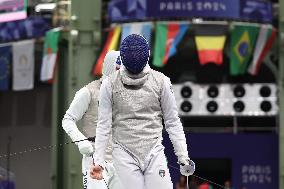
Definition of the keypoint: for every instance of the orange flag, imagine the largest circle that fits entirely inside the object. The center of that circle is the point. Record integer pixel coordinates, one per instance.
(111, 44)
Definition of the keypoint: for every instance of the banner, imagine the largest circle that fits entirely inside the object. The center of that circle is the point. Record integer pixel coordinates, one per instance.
(141, 28)
(23, 65)
(253, 158)
(127, 10)
(13, 10)
(194, 8)
(5, 65)
(130, 10)
(256, 10)
(32, 27)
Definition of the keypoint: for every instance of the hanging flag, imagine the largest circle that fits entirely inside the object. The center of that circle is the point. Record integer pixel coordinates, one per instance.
(5, 63)
(243, 39)
(168, 36)
(141, 28)
(264, 42)
(23, 65)
(50, 55)
(111, 44)
(210, 40)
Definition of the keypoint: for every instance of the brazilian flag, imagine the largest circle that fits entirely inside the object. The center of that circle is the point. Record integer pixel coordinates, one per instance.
(243, 40)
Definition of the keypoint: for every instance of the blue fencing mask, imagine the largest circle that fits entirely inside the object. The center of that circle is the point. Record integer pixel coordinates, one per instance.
(134, 53)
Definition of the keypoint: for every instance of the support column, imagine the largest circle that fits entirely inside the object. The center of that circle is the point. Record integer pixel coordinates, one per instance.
(78, 48)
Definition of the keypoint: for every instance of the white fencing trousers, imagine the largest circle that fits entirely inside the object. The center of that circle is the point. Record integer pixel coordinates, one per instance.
(109, 174)
(153, 173)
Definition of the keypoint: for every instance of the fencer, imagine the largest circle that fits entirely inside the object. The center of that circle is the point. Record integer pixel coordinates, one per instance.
(133, 104)
(85, 106)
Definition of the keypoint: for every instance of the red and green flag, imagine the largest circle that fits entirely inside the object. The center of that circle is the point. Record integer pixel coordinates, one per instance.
(50, 55)
(168, 36)
(265, 39)
(243, 39)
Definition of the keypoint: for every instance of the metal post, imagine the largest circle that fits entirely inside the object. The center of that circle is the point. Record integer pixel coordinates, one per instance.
(78, 51)
(281, 94)
(8, 161)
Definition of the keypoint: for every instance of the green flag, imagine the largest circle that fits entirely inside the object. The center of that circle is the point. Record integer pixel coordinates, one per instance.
(243, 40)
(168, 36)
(50, 55)
(160, 44)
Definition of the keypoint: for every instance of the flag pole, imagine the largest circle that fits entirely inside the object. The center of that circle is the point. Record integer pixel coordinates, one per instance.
(8, 161)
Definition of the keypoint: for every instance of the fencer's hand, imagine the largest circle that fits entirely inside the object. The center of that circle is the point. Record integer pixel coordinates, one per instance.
(187, 168)
(85, 147)
(96, 172)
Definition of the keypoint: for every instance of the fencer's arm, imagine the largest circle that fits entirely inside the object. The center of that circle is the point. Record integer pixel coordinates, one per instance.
(104, 122)
(172, 121)
(75, 112)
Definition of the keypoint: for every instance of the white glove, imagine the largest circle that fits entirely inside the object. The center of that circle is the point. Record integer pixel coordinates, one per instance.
(85, 147)
(187, 168)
